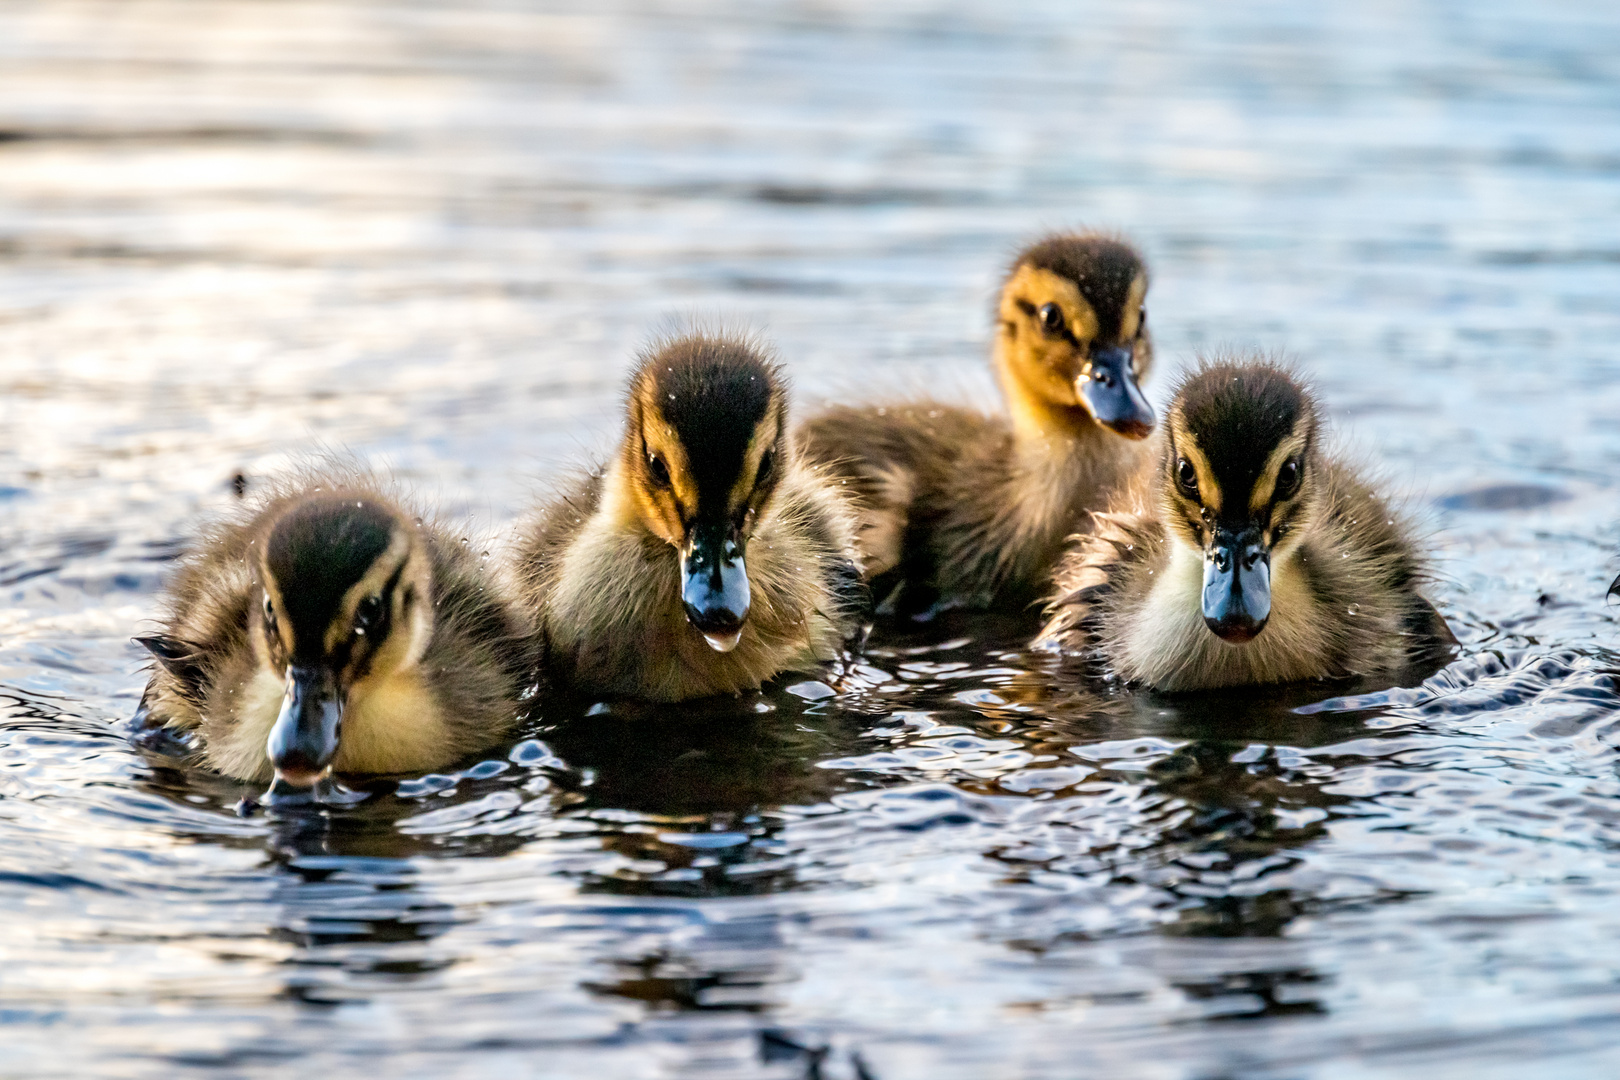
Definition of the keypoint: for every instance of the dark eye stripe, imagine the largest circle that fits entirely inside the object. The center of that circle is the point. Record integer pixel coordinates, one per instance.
(375, 634)
(1283, 517)
(657, 467)
(387, 593)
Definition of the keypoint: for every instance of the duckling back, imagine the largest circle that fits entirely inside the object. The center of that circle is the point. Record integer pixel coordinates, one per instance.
(704, 557)
(1244, 555)
(952, 511)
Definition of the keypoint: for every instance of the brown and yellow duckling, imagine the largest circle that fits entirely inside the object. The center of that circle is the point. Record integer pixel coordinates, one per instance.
(959, 508)
(704, 557)
(1245, 554)
(328, 630)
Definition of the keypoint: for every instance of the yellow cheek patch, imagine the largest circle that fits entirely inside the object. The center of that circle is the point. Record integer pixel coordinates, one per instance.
(1209, 492)
(649, 433)
(1040, 287)
(273, 591)
(659, 510)
(765, 436)
(659, 437)
(1130, 320)
(682, 490)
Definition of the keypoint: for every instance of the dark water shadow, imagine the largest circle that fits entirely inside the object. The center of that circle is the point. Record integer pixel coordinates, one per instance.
(684, 802)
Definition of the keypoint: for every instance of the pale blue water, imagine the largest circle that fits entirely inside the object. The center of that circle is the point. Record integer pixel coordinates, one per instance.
(434, 234)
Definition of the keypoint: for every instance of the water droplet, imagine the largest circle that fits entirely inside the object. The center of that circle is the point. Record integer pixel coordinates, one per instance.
(1354, 609)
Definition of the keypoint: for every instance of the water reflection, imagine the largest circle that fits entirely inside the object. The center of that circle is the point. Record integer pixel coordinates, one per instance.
(729, 966)
(1075, 815)
(1096, 815)
(723, 757)
(357, 925)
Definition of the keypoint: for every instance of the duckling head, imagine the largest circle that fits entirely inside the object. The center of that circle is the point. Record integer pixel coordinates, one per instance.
(345, 599)
(1238, 482)
(705, 447)
(1073, 333)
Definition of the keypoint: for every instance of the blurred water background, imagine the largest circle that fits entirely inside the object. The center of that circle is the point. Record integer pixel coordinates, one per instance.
(433, 234)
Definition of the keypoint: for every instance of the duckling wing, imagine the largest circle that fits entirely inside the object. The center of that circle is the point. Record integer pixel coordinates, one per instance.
(1101, 579)
(204, 635)
(1369, 526)
(482, 654)
(547, 534)
(182, 660)
(896, 464)
(1430, 633)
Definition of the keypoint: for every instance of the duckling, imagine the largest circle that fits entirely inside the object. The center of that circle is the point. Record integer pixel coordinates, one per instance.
(705, 556)
(327, 629)
(1244, 554)
(958, 508)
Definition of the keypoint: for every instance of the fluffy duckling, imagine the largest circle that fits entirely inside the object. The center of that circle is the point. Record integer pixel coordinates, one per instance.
(963, 509)
(327, 629)
(704, 557)
(1245, 554)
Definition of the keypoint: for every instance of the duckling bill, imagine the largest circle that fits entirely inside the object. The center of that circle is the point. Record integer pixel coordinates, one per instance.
(1245, 554)
(704, 557)
(959, 508)
(326, 630)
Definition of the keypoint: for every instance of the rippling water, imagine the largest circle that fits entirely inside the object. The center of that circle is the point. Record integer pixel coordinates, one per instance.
(233, 233)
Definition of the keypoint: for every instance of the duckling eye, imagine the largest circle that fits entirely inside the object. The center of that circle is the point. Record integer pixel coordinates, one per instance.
(657, 470)
(1051, 318)
(1288, 479)
(366, 614)
(1187, 478)
(269, 614)
(767, 461)
(1141, 322)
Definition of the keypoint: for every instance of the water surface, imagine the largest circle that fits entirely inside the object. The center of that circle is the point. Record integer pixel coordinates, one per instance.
(433, 235)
